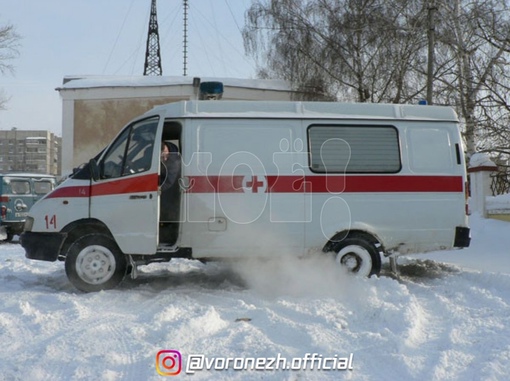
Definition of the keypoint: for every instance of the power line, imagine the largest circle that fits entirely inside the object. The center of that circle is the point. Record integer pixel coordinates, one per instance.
(118, 35)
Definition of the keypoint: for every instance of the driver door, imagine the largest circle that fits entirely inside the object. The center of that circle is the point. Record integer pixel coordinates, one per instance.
(125, 197)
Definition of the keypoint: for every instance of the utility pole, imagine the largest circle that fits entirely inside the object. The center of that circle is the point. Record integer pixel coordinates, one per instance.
(431, 34)
(152, 53)
(185, 39)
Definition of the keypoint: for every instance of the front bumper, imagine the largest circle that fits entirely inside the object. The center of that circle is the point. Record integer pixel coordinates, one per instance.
(42, 246)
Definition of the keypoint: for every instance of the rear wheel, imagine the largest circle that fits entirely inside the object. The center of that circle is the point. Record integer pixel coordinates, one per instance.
(94, 262)
(359, 256)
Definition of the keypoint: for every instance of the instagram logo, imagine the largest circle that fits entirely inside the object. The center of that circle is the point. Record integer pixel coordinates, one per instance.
(168, 362)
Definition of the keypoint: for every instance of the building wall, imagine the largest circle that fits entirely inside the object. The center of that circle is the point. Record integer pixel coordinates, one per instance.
(32, 151)
(97, 121)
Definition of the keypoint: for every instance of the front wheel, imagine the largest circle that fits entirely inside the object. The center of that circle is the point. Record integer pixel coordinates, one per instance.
(358, 256)
(94, 262)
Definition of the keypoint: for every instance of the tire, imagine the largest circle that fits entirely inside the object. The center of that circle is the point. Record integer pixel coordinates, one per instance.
(359, 256)
(94, 263)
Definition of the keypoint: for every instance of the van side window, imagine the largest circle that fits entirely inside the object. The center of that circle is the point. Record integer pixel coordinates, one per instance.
(430, 150)
(354, 149)
(132, 151)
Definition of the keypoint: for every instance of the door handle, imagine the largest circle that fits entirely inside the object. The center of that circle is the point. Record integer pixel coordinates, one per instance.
(138, 197)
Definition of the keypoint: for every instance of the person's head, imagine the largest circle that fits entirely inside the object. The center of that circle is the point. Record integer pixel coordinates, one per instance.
(167, 148)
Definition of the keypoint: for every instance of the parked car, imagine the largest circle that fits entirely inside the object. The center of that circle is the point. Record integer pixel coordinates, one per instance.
(18, 192)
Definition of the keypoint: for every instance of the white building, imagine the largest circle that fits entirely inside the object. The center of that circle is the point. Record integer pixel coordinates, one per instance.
(95, 108)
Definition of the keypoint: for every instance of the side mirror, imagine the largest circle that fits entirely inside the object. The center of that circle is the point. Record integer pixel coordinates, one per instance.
(94, 169)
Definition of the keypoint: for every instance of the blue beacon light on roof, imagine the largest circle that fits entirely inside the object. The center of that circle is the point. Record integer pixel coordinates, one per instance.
(211, 90)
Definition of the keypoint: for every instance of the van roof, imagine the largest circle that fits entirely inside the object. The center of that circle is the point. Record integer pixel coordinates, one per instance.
(34, 175)
(307, 110)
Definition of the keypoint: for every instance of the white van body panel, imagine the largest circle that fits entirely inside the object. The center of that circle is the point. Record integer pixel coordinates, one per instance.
(262, 223)
(226, 150)
(255, 180)
(136, 233)
(69, 199)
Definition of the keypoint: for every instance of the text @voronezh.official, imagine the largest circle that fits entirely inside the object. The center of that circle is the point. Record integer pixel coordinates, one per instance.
(170, 363)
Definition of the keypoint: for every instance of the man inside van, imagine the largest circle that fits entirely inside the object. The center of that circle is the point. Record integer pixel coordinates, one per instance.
(170, 165)
(170, 193)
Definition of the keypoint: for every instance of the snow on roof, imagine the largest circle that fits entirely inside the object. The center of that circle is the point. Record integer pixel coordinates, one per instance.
(93, 81)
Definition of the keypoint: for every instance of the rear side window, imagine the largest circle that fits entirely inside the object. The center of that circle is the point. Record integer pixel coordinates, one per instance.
(431, 150)
(354, 149)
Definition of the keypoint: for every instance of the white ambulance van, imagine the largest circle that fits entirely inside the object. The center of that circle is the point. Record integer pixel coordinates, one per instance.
(259, 179)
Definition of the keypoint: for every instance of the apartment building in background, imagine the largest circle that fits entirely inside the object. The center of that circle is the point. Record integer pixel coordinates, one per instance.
(34, 151)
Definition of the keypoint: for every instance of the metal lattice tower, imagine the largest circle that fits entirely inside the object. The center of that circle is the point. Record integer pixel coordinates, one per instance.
(152, 54)
(185, 39)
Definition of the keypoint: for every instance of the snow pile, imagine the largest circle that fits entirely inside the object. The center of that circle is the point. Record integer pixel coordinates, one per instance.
(500, 202)
(437, 321)
(481, 159)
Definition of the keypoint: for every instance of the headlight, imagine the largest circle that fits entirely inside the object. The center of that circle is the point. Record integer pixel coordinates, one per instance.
(29, 222)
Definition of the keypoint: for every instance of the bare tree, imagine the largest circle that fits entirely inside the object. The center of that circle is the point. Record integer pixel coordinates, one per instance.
(494, 114)
(9, 40)
(361, 50)
(378, 50)
(476, 36)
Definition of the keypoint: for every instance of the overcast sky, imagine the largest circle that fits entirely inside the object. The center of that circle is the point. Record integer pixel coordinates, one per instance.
(108, 37)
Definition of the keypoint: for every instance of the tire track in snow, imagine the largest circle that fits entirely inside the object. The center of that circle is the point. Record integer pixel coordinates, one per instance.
(459, 306)
(422, 341)
(74, 335)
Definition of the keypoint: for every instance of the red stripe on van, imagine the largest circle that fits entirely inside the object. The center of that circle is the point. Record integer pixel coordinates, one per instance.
(67, 192)
(325, 184)
(275, 184)
(216, 184)
(147, 183)
(379, 183)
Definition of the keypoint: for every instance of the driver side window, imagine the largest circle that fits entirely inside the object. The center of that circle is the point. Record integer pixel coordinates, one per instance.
(132, 151)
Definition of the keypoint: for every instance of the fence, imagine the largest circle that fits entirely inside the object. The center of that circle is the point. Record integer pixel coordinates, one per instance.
(500, 182)
(486, 182)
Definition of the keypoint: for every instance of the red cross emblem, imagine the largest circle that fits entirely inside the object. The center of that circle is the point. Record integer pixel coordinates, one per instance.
(255, 183)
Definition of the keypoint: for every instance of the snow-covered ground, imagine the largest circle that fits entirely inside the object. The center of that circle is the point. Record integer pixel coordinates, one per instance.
(446, 318)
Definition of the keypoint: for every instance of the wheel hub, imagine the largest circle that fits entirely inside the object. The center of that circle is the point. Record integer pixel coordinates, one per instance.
(356, 259)
(351, 261)
(95, 264)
